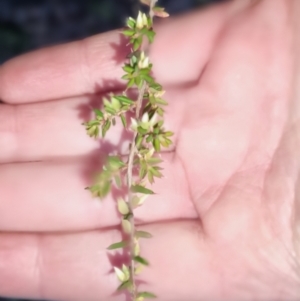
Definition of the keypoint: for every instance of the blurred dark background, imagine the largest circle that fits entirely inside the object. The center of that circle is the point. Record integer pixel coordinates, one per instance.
(29, 24)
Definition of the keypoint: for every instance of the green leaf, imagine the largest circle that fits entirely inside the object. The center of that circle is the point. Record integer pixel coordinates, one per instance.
(110, 110)
(154, 160)
(127, 68)
(168, 134)
(156, 87)
(114, 163)
(126, 272)
(126, 76)
(146, 295)
(125, 285)
(122, 206)
(165, 142)
(150, 35)
(156, 130)
(118, 181)
(98, 113)
(142, 130)
(133, 58)
(115, 104)
(160, 111)
(147, 78)
(143, 234)
(124, 99)
(138, 80)
(128, 32)
(118, 245)
(130, 22)
(156, 144)
(120, 274)
(130, 83)
(160, 101)
(155, 172)
(150, 177)
(123, 119)
(141, 260)
(143, 171)
(138, 141)
(101, 190)
(105, 189)
(92, 129)
(149, 138)
(141, 189)
(126, 226)
(137, 43)
(138, 201)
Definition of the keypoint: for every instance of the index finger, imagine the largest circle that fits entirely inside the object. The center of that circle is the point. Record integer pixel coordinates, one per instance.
(94, 64)
(75, 68)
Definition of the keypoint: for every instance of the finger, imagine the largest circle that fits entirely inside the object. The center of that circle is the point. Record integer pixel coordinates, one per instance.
(61, 71)
(43, 131)
(94, 64)
(78, 267)
(50, 196)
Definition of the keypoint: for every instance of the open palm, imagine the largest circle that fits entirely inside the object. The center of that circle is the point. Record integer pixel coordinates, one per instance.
(226, 214)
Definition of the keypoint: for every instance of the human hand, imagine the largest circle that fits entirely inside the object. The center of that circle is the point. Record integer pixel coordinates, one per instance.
(226, 215)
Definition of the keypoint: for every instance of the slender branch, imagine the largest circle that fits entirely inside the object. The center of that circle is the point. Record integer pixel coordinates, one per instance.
(129, 183)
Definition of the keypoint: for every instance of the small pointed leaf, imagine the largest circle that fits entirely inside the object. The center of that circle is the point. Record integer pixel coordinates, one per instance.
(126, 226)
(126, 272)
(125, 285)
(124, 99)
(122, 207)
(98, 113)
(146, 295)
(118, 245)
(120, 274)
(143, 234)
(141, 260)
(141, 189)
(123, 119)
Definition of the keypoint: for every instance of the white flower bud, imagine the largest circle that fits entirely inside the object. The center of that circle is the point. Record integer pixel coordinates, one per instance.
(153, 119)
(134, 124)
(126, 272)
(144, 63)
(145, 20)
(145, 117)
(126, 226)
(120, 274)
(139, 21)
(122, 206)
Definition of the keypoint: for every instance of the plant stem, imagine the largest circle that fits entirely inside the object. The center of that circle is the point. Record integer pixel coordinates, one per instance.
(129, 183)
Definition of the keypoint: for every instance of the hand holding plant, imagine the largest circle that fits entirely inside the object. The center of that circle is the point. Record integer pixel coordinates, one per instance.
(226, 216)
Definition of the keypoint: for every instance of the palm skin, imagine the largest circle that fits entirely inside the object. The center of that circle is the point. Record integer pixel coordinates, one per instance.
(225, 218)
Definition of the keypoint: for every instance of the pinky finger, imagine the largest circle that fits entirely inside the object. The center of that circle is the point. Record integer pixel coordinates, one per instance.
(78, 266)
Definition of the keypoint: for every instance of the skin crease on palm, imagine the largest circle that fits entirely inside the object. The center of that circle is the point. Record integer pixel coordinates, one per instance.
(226, 216)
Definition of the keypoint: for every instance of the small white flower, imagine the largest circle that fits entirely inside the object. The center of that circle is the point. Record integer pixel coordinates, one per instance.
(134, 124)
(144, 61)
(153, 119)
(145, 118)
(139, 21)
(145, 20)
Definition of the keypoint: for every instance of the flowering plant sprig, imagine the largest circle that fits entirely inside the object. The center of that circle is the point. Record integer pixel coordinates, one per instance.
(149, 136)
